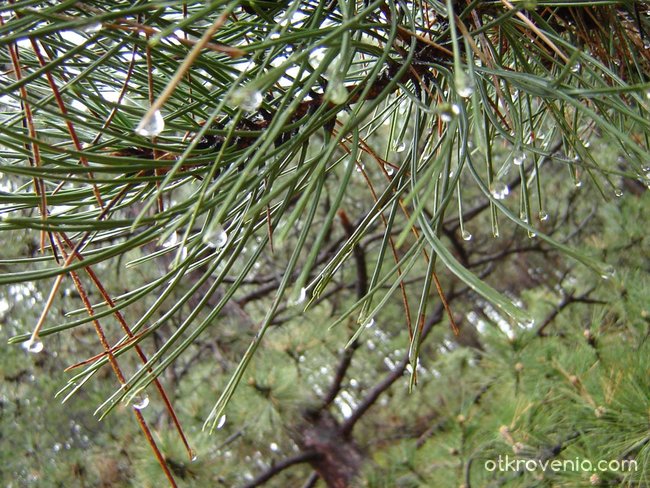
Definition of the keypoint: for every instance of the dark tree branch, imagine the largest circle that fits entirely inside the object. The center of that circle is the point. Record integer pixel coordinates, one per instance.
(566, 301)
(311, 481)
(303, 457)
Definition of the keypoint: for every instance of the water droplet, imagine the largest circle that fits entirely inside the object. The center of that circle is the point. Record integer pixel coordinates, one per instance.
(499, 189)
(449, 111)
(183, 253)
(389, 169)
(302, 296)
(519, 158)
(247, 98)
(618, 192)
(360, 167)
(33, 345)
(399, 147)
(464, 84)
(370, 323)
(275, 35)
(193, 455)
(171, 241)
(578, 183)
(527, 324)
(151, 125)
(92, 28)
(543, 215)
(336, 92)
(57, 447)
(576, 67)
(215, 235)
(140, 403)
(466, 236)
(608, 272)
(222, 422)
(532, 235)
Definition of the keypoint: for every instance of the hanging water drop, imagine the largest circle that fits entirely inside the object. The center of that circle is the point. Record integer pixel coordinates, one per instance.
(151, 124)
(449, 111)
(608, 272)
(499, 189)
(247, 98)
(171, 241)
(360, 167)
(578, 183)
(222, 422)
(140, 403)
(466, 236)
(389, 169)
(302, 296)
(618, 193)
(519, 158)
(464, 84)
(33, 345)
(370, 323)
(336, 92)
(543, 215)
(215, 235)
(399, 147)
(193, 455)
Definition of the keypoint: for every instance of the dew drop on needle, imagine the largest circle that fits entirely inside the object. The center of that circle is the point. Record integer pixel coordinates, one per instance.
(151, 124)
(33, 345)
(140, 403)
(499, 190)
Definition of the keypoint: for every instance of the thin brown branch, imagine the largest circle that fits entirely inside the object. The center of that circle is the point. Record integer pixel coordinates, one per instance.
(564, 303)
(115, 366)
(277, 468)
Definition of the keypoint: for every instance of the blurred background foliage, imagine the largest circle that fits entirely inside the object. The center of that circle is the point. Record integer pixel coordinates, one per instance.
(250, 229)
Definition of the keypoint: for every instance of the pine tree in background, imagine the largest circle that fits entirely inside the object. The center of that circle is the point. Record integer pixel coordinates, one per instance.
(374, 243)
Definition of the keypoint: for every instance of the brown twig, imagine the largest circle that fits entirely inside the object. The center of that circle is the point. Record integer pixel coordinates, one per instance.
(277, 468)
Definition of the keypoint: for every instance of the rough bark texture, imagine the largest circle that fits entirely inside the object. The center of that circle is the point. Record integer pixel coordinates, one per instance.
(339, 458)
